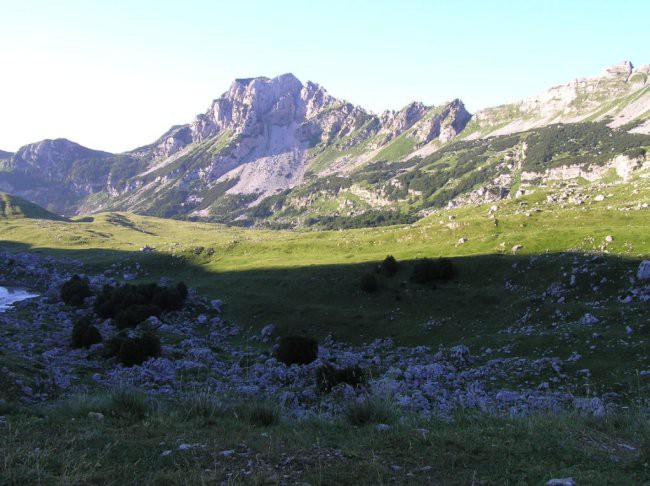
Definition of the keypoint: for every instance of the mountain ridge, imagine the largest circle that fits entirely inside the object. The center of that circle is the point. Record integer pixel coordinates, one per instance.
(265, 137)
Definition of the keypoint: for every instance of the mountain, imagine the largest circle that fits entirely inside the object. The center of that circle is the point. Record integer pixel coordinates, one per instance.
(620, 96)
(277, 152)
(12, 207)
(60, 174)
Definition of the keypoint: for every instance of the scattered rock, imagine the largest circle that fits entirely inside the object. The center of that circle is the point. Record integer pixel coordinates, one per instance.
(96, 415)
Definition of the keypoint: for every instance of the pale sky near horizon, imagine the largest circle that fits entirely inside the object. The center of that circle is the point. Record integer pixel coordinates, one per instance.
(115, 75)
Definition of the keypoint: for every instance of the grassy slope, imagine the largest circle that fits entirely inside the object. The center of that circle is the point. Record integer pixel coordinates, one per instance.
(308, 282)
(12, 207)
(138, 443)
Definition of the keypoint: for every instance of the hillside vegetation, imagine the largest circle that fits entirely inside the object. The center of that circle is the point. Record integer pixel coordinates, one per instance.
(13, 207)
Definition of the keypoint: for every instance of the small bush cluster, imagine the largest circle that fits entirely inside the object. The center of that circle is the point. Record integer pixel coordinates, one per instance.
(389, 266)
(134, 350)
(129, 305)
(75, 291)
(369, 283)
(84, 334)
(328, 376)
(428, 270)
(297, 350)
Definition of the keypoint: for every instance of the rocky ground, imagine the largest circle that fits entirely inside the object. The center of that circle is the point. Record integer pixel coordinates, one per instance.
(202, 353)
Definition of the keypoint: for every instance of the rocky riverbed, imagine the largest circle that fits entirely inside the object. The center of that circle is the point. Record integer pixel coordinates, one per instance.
(203, 353)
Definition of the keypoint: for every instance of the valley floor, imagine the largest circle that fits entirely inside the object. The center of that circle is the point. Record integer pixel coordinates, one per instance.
(532, 363)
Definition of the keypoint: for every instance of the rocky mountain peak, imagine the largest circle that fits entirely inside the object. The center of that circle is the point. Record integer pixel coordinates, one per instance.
(623, 68)
(57, 151)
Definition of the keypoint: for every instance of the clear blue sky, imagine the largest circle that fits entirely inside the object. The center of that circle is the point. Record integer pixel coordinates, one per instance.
(115, 74)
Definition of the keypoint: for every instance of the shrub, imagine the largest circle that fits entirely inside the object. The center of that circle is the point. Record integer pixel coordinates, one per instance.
(168, 300)
(182, 289)
(91, 336)
(134, 350)
(135, 314)
(428, 270)
(369, 283)
(297, 350)
(389, 266)
(150, 344)
(84, 334)
(328, 376)
(115, 343)
(75, 290)
(151, 298)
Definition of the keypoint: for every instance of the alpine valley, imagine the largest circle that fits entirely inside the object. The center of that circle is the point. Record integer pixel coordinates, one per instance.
(282, 154)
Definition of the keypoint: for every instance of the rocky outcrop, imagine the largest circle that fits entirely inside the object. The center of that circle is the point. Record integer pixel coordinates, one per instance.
(618, 95)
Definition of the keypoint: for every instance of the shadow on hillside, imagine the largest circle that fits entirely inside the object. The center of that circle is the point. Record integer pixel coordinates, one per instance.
(489, 293)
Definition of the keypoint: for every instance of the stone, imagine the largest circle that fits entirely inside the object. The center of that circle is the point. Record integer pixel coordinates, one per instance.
(599, 198)
(462, 241)
(609, 238)
(516, 248)
(588, 320)
(216, 304)
(267, 332)
(96, 415)
(382, 427)
(643, 273)
(561, 482)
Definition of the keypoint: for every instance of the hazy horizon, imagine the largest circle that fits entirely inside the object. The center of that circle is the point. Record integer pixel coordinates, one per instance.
(114, 77)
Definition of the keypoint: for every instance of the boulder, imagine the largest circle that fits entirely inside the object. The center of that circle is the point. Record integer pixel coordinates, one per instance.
(643, 273)
(561, 482)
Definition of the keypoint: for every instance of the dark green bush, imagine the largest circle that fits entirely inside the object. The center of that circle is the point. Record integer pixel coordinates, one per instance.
(134, 350)
(168, 299)
(114, 300)
(84, 334)
(297, 350)
(428, 270)
(389, 266)
(328, 376)
(150, 344)
(135, 314)
(369, 283)
(75, 290)
(182, 290)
